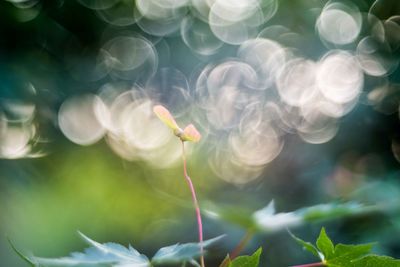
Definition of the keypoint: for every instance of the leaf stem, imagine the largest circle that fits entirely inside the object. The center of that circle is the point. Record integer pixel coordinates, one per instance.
(196, 205)
(239, 247)
(242, 244)
(315, 264)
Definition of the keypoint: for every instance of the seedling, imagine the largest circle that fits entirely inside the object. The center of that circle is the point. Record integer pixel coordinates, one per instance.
(191, 134)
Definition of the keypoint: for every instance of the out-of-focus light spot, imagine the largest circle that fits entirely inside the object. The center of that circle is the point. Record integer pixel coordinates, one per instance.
(197, 35)
(224, 114)
(392, 32)
(272, 112)
(266, 57)
(201, 9)
(18, 111)
(161, 27)
(127, 53)
(336, 110)
(385, 98)
(282, 35)
(131, 58)
(3, 124)
(110, 91)
(377, 94)
(134, 132)
(233, 10)
(231, 171)
(339, 77)
(161, 18)
(231, 32)
(122, 13)
(170, 87)
(342, 181)
(117, 108)
(377, 29)
(255, 147)
(375, 58)
(223, 91)
(23, 4)
(15, 142)
(296, 82)
(141, 128)
(317, 128)
(232, 74)
(156, 9)
(27, 10)
(339, 24)
(165, 156)
(235, 21)
(78, 121)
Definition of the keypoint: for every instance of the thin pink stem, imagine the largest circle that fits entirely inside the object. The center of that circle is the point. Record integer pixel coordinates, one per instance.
(196, 205)
(316, 264)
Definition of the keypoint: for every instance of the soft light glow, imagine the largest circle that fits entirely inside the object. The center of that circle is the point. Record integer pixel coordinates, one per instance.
(77, 120)
(339, 24)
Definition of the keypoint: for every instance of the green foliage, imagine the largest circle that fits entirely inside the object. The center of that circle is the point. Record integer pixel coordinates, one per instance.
(245, 261)
(341, 255)
(241, 216)
(268, 220)
(325, 245)
(306, 245)
(377, 261)
(333, 210)
(112, 254)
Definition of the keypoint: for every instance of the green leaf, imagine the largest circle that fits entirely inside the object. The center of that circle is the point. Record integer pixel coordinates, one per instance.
(346, 253)
(267, 220)
(247, 261)
(99, 254)
(325, 245)
(376, 261)
(181, 252)
(306, 245)
(329, 211)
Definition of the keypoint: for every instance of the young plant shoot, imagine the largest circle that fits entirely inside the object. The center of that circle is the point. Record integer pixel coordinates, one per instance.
(189, 133)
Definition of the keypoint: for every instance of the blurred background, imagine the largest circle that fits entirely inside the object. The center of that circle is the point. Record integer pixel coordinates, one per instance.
(297, 101)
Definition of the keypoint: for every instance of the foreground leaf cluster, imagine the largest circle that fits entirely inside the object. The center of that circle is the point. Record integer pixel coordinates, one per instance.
(112, 254)
(341, 255)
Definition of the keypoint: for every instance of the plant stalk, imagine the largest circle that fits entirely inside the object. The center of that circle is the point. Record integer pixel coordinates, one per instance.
(242, 244)
(236, 251)
(195, 204)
